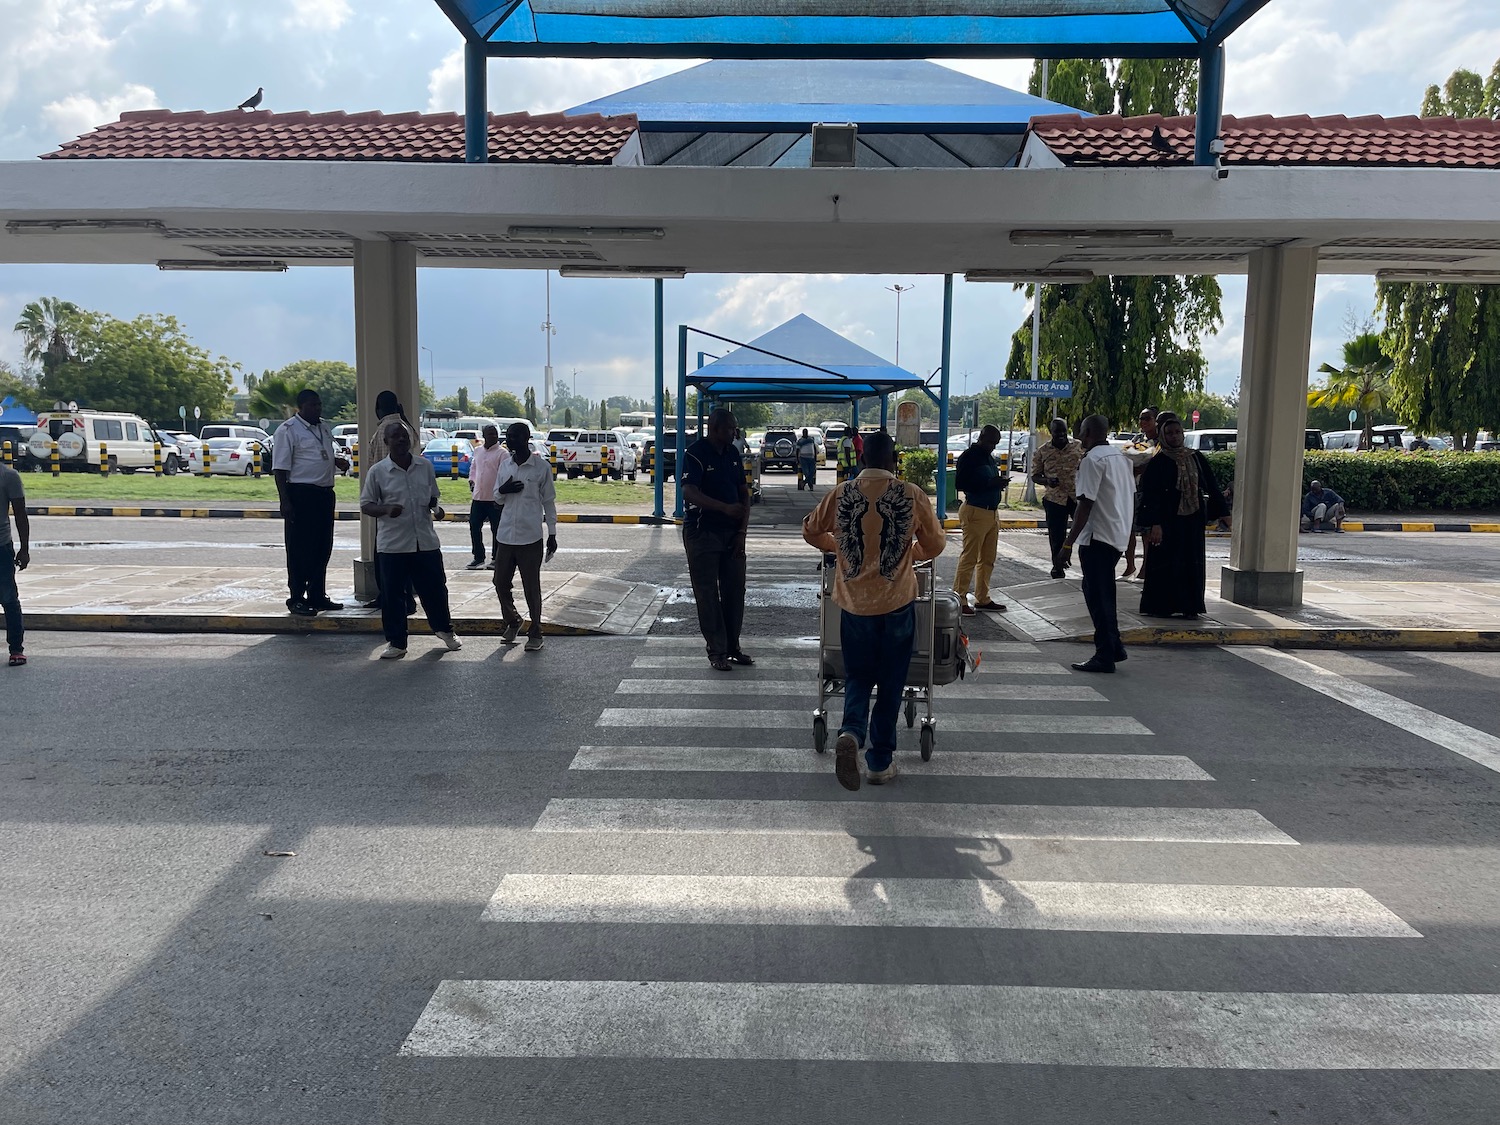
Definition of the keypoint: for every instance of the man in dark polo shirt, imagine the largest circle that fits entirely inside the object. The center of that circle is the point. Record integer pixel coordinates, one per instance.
(980, 481)
(717, 521)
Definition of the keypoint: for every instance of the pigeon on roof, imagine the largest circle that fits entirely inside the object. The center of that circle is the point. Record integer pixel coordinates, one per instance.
(254, 100)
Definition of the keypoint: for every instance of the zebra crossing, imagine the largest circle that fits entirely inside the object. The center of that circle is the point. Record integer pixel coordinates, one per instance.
(749, 726)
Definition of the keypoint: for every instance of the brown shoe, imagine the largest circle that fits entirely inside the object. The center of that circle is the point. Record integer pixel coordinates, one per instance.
(846, 762)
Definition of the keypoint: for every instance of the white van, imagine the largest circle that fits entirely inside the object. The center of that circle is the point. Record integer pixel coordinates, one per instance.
(1211, 441)
(128, 439)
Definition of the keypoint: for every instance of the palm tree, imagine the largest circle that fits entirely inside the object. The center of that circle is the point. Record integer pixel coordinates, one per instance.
(48, 329)
(1363, 383)
(273, 397)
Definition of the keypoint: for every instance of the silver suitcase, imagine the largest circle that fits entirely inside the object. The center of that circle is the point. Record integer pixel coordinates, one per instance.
(943, 605)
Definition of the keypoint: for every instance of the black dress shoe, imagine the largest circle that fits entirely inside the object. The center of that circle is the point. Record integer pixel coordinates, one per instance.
(1094, 664)
(1121, 655)
(411, 607)
(325, 604)
(741, 658)
(300, 608)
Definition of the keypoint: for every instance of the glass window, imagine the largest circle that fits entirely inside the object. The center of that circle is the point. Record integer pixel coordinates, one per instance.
(131, 432)
(108, 429)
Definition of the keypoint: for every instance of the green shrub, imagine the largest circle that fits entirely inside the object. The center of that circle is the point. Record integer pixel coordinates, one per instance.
(1396, 482)
(919, 466)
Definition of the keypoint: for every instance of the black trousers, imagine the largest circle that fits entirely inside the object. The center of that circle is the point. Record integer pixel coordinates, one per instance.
(480, 513)
(309, 541)
(716, 564)
(527, 558)
(1098, 561)
(423, 572)
(1058, 516)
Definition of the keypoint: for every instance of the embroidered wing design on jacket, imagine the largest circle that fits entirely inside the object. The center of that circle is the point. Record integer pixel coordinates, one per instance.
(897, 519)
(851, 537)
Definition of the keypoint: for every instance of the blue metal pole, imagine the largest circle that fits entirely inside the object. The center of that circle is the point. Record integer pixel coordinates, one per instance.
(476, 104)
(661, 386)
(682, 358)
(1210, 105)
(942, 453)
(885, 411)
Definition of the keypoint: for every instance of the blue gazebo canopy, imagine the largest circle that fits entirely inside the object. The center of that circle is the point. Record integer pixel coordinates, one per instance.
(801, 361)
(12, 413)
(844, 29)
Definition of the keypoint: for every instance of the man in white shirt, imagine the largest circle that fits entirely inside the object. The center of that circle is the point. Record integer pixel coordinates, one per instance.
(400, 494)
(527, 499)
(484, 464)
(1101, 528)
(304, 465)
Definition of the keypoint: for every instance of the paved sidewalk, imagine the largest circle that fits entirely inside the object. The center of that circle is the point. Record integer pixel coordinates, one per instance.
(1333, 615)
(252, 600)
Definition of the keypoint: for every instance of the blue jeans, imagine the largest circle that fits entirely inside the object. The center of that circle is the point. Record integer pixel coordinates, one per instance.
(10, 598)
(809, 470)
(877, 653)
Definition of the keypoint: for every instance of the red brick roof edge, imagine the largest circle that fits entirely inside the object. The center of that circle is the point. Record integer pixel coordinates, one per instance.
(1334, 141)
(163, 134)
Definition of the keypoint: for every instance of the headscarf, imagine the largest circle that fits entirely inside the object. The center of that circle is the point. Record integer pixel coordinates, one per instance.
(1189, 487)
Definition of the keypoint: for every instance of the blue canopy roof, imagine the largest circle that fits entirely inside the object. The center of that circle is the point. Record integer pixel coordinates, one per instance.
(801, 361)
(847, 29)
(12, 413)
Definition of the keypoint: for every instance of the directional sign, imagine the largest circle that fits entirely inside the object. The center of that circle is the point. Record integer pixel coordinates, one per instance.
(1034, 388)
(1353, 414)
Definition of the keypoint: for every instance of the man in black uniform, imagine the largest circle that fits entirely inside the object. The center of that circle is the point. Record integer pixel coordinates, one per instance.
(713, 532)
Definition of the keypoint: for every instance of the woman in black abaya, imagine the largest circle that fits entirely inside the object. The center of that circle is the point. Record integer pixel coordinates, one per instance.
(1179, 497)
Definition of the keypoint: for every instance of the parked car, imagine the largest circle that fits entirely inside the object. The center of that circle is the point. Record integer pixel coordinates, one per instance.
(230, 456)
(1342, 439)
(20, 452)
(1211, 441)
(447, 453)
(779, 450)
(174, 453)
(586, 453)
(128, 439)
(668, 452)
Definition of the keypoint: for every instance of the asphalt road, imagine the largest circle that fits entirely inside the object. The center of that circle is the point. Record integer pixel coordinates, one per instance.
(604, 884)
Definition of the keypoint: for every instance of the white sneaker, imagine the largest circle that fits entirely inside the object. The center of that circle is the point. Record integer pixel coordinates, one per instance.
(391, 652)
(534, 644)
(882, 777)
(453, 643)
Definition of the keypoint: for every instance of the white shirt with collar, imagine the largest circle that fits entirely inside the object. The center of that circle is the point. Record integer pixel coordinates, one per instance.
(305, 452)
(1106, 478)
(415, 489)
(523, 513)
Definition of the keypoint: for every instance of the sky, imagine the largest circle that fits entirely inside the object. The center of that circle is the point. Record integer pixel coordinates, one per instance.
(69, 65)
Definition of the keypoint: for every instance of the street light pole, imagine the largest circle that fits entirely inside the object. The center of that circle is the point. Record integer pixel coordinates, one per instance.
(899, 289)
(431, 371)
(548, 331)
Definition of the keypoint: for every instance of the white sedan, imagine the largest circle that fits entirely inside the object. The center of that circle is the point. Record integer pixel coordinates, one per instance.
(233, 457)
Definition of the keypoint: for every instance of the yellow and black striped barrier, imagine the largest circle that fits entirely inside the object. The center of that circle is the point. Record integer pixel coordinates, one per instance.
(9, 460)
(156, 458)
(208, 459)
(354, 462)
(255, 458)
(552, 459)
(604, 463)
(453, 462)
(56, 460)
(104, 458)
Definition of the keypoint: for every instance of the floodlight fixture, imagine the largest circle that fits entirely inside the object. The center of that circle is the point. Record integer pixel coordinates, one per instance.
(1023, 277)
(1092, 236)
(105, 226)
(240, 265)
(668, 273)
(833, 145)
(588, 234)
(1450, 277)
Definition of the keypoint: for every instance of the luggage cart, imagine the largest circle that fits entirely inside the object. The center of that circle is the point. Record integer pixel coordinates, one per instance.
(922, 675)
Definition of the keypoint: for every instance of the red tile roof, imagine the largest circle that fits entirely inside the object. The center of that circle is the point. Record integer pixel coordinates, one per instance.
(1377, 142)
(162, 134)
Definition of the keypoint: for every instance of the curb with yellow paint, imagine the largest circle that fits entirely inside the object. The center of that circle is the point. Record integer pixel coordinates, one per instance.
(366, 624)
(1446, 640)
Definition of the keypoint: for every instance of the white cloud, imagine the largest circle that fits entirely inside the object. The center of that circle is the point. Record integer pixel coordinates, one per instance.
(78, 113)
(318, 15)
(542, 85)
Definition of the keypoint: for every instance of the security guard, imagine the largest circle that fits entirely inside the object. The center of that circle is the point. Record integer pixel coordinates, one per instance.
(848, 456)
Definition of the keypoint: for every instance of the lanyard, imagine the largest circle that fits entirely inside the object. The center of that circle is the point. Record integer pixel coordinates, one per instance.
(316, 431)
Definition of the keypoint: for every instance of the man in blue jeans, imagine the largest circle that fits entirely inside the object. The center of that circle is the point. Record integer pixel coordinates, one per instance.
(12, 559)
(877, 526)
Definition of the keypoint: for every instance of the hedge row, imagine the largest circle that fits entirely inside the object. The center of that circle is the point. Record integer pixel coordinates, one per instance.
(1396, 482)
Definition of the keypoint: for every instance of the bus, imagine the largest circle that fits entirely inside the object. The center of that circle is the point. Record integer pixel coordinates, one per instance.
(646, 420)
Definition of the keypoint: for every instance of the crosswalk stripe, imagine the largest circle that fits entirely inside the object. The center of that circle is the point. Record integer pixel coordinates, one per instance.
(951, 763)
(725, 685)
(780, 900)
(709, 718)
(785, 660)
(913, 818)
(958, 1023)
(809, 644)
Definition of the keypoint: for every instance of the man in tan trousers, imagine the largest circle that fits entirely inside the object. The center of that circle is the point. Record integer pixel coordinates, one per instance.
(978, 478)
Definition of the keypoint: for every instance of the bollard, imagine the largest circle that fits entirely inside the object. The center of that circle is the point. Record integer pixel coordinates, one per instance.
(255, 459)
(56, 461)
(453, 462)
(604, 463)
(749, 473)
(354, 462)
(552, 459)
(208, 459)
(650, 456)
(156, 457)
(104, 458)
(8, 459)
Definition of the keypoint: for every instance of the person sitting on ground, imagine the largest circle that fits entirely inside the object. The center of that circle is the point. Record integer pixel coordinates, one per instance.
(878, 526)
(1322, 504)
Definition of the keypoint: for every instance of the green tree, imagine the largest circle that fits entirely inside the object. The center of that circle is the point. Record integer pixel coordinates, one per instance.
(20, 384)
(603, 415)
(502, 404)
(1444, 339)
(49, 332)
(529, 405)
(463, 399)
(1214, 411)
(335, 381)
(1124, 342)
(146, 366)
(273, 397)
(568, 417)
(1363, 383)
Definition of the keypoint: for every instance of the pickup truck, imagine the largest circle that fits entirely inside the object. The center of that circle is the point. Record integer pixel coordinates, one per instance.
(585, 456)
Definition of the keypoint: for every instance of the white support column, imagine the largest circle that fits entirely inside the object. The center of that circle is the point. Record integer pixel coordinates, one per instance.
(385, 357)
(1262, 568)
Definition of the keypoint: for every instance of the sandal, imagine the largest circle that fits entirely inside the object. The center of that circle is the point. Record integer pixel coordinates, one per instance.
(741, 658)
(17, 659)
(719, 664)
